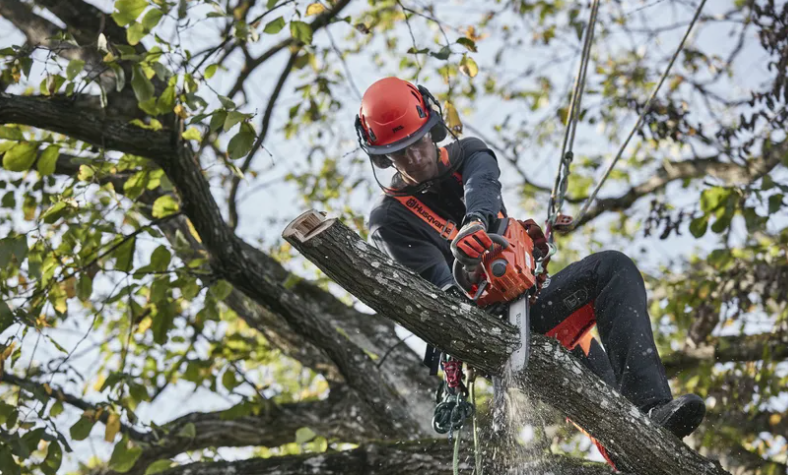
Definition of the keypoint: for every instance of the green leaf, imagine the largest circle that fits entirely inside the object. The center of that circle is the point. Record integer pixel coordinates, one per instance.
(32, 438)
(54, 457)
(229, 381)
(721, 224)
(135, 33)
(165, 206)
(713, 198)
(123, 457)
(698, 226)
(84, 287)
(162, 323)
(81, 430)
(7, 463)
(134, 186)
(160, 259)
(468, 43)
(775, 203)
(126, 11)
(227, 103)
(55, 212)
(274, 26)
(124, 255)
(221, 289)
(719, 258)
(143, 88)
(162, 72)
(217, 120)
(138, 392)
(242, 143)
(301, 31)
(192, 134)
(151, 19)
(468, 66)
(158, 466)
(56, 409)
(74, 67)
(210, 71)
(443, 54)
(271, 4)
(20, 157)
(48, 160)
(85, 173)
(166, 101)
(304, 434)
(11, 133)
(15, 247)
(188, 431)
(234, 117)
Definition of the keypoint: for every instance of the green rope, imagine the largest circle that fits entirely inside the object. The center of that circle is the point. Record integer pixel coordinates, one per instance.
(477, 456)
(456, 462)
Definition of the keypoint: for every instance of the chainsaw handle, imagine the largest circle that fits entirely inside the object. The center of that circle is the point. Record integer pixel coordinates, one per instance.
(498, 239)
(462, 275)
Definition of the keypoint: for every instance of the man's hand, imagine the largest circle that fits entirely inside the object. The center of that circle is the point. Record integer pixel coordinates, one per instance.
(470, 244)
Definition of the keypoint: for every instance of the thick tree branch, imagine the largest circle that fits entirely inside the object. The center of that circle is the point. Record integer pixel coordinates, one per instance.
(71, 118)
(374, 334)
(39, 30)
(321, 21)
(432, 457)
(230, 258)
(729, 348)
(728, 173)
(276, 425)
(85, 21)
(485, 343)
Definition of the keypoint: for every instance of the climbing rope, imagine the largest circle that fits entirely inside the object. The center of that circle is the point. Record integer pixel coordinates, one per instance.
(477, 453)
(558, 193)
(642, 115)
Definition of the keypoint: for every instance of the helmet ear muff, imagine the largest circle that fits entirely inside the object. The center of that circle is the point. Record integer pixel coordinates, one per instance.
(438, 132)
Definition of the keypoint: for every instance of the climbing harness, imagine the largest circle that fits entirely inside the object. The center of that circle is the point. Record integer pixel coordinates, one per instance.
(558, 192)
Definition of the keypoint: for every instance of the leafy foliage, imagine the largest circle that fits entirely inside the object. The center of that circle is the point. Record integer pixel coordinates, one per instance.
(92, 249)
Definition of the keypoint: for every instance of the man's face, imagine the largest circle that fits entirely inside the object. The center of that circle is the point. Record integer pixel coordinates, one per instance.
(418, 162)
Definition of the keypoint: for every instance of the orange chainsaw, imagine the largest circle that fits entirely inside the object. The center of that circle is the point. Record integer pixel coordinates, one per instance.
(507, 274)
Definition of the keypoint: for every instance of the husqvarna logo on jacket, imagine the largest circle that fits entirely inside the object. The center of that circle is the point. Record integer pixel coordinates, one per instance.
(416, 205)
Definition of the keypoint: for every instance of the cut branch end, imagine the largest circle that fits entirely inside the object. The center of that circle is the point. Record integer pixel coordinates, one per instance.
(307, 225)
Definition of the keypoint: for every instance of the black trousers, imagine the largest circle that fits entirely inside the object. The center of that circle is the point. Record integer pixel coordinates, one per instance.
(611, 282)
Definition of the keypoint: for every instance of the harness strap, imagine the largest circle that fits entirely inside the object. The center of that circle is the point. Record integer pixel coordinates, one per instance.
(446, 228)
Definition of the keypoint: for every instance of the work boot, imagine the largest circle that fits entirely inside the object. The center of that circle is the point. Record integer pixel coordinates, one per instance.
(681, 416)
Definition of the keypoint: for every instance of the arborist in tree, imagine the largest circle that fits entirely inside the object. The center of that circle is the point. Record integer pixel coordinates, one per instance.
(439, 206)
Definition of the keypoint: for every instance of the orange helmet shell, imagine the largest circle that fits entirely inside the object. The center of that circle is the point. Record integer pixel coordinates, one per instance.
(394, 115)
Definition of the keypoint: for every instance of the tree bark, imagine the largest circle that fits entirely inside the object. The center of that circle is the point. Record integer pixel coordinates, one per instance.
(433, 457)
(484, 342)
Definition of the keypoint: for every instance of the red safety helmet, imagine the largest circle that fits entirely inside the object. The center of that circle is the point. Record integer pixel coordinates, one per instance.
(395, 114)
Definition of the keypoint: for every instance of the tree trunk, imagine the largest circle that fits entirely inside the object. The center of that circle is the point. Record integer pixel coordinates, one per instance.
(485, 342)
